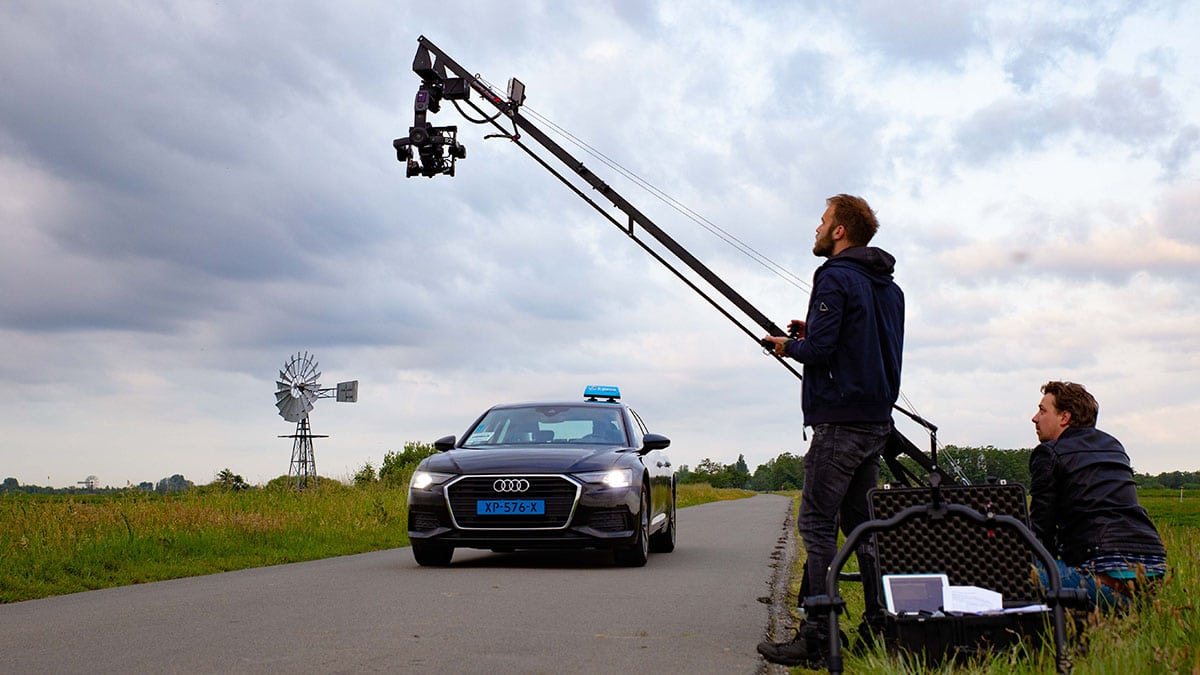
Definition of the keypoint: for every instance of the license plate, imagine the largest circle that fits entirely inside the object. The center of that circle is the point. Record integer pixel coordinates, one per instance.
(510, 507)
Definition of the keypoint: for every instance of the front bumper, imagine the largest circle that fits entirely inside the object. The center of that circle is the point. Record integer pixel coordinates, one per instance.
(578, 515)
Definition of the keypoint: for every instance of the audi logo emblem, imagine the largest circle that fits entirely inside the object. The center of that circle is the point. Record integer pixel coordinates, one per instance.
(510, 485)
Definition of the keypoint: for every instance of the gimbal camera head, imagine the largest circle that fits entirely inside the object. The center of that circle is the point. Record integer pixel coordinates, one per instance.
(436, 147)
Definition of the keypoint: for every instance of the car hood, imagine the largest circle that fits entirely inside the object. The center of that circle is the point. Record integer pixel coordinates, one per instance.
(523, 458)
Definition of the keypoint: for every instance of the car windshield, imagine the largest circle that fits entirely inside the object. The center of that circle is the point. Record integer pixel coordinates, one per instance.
(549, 425)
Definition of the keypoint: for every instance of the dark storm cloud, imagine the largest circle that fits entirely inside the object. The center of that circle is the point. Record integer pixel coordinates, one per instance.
(1129, 109)
(1176, 156)
(187, 159)
(801, 78)
(640, 15)
(934, 34)
(1042, 45)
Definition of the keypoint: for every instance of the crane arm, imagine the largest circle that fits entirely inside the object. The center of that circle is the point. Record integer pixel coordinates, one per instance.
(431, 150)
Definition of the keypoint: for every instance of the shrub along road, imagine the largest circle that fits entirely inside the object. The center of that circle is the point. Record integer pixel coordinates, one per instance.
(694, 610)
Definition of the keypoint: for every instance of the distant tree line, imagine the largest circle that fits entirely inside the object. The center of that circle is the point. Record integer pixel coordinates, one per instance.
(784, 472)
(169, 485)
(1187, 480)
(394, 472)
(976, 464)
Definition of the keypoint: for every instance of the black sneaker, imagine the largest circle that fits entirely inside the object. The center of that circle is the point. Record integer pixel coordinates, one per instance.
(809, 648)
(869, 634)
(801, 650)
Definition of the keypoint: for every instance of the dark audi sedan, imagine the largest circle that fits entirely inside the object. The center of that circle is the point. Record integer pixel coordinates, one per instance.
(549, 475)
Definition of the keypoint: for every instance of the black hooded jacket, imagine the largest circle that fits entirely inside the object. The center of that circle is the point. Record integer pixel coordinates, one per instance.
(854, 340)
(1084, 501)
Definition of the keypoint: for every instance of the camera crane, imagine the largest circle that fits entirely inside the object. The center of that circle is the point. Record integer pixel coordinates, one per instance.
(430, 151)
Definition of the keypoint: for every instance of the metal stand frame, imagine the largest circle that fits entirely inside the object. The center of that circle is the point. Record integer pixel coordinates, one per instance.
(304, 460)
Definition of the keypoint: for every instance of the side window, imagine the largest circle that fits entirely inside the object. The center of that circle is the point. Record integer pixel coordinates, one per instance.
(641, 426)
(610, 427)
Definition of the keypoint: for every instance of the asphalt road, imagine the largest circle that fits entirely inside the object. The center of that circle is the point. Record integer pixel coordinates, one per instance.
(695, 610)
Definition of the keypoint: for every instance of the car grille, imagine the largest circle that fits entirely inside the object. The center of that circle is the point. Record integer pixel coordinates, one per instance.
(559, 493)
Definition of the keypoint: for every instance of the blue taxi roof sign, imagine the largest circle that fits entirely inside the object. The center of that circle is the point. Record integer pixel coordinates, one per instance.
(594, 391)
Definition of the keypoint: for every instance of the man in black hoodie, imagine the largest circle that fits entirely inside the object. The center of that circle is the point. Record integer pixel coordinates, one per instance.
(851, 345)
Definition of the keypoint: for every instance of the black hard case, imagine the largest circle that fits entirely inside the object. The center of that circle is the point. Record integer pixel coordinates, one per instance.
(977, 535)
(995, 558)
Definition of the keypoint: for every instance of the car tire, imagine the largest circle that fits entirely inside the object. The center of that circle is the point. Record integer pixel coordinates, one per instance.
(636, 554)
(664, 540)
(432, 555)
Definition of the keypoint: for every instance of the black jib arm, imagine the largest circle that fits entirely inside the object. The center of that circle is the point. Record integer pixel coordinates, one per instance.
(431, 150)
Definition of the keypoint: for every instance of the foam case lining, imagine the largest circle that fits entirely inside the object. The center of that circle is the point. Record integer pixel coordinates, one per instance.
(969, 554)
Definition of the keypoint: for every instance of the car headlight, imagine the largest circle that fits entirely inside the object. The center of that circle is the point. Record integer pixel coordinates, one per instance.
(423, 480)
(613, 478)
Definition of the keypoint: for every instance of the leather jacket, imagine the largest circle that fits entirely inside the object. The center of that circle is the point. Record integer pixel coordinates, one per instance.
(1084, 501)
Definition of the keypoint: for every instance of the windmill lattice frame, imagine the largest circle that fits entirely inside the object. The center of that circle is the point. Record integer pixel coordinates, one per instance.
(297, 391)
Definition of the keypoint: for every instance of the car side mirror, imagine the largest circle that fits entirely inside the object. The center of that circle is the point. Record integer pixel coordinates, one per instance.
(444, 443)
(654, 442)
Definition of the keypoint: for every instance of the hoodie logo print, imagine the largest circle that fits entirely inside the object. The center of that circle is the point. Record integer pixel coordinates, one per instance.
(823, 307)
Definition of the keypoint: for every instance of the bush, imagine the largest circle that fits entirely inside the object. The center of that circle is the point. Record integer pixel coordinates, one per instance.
(365, 475)
(398, 467)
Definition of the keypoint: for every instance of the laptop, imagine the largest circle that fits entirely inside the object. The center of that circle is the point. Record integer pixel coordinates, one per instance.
(913, 593)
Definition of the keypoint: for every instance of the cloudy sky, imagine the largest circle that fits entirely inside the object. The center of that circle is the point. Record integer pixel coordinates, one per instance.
(191, 192)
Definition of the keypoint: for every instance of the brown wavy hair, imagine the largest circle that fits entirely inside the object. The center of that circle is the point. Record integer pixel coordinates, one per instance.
(1073, 398)
(854, 214)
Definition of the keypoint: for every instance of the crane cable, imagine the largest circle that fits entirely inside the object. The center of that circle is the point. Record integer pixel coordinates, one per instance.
(767, 263)
(719, 232)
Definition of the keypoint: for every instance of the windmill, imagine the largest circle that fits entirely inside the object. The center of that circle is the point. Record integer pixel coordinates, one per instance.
(297, 393)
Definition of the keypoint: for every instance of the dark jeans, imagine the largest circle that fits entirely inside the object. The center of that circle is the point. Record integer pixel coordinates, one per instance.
(841, 465)
(1098, 595)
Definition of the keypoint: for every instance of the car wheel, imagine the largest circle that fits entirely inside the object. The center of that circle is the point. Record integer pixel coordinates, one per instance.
(432, 555)
(635, 554)
(664, 541)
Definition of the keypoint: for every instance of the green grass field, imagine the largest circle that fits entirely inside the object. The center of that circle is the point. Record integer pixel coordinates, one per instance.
(63, 544)
(50, 545)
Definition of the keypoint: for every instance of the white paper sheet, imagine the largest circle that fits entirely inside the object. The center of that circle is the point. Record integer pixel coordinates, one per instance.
(972, 600)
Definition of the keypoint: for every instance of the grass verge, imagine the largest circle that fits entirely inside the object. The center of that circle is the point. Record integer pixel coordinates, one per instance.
(691, 494)
(50, 545)
(53, 544)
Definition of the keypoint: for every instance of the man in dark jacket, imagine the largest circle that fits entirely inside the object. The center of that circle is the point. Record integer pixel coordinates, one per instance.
(1084, 504)
(850, 344)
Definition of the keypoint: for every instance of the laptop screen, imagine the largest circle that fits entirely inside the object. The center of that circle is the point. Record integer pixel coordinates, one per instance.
(912, 593)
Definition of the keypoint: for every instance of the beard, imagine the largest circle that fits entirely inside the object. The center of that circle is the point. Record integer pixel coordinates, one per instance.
(824, 246)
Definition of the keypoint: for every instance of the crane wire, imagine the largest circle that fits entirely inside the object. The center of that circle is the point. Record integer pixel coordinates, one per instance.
(716, 230)
(724, 235)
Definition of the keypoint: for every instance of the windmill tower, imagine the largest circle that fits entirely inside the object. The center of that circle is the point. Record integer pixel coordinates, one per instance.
(297, 393)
